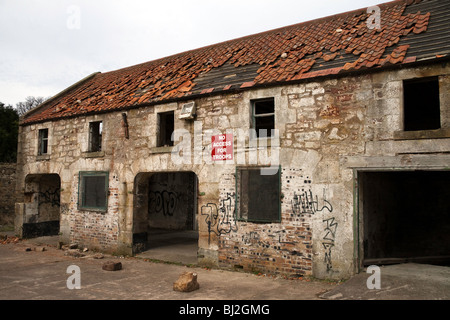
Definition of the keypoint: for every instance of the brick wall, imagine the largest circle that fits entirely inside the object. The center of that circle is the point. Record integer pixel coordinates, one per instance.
(284, 247)
(96, 230)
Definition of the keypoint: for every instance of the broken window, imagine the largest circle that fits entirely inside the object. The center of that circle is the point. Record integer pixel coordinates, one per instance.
(95, 136)
(43, 142)
(263, 117)
(421, 104)
(258, 195)
(93, 190)
(166, 127)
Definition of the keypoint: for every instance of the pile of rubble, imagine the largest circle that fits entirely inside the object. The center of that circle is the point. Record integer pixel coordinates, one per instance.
(75, 251)
(5, 239)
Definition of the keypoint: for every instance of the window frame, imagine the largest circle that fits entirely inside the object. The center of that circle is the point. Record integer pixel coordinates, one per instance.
(43, 141)
(162, 138)
(254, 116)
(81, 189)
(99, 141)
(238, 215)
(410, 117)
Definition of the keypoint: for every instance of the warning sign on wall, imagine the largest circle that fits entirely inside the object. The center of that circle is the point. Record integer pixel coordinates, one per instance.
(222, 147)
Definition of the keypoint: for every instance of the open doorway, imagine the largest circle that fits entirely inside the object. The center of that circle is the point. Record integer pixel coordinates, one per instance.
(41, 205)
(404, 217)
(165, 216)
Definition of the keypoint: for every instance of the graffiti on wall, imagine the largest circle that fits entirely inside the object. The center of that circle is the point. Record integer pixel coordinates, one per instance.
(227, 224)
(328, 240)
(308, 203)
(223, 223)
(281, 236)
(164, 202)
(211, 216)
(50, 196)
(251, 238)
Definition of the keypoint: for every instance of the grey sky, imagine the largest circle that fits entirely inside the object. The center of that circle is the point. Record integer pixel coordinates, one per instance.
(47, 45)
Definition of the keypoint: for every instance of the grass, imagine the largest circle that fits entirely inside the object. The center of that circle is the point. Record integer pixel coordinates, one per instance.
(6, 228)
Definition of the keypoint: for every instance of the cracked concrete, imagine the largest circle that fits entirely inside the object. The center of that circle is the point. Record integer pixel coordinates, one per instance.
(42, 275)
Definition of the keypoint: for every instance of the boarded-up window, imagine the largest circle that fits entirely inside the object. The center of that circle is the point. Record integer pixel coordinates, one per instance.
(421, 104)
(43, 142)
(258, 195)
(93, 192)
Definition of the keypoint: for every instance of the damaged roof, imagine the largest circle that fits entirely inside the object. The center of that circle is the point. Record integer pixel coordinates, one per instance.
(411, 30)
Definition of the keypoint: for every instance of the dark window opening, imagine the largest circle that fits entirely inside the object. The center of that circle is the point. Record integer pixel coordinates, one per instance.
(258, 195)
(166, 127)
(95, 136)
(421, 104)
(263, 115)
(43, 141)
(93, 190)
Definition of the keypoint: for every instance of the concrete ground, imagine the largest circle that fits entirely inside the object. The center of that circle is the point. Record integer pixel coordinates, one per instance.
(42, 275)
(175, 246)
(408, 281)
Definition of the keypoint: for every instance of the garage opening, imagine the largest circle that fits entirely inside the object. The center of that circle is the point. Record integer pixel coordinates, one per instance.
(405, 217)
(165, 217)
(41, 205)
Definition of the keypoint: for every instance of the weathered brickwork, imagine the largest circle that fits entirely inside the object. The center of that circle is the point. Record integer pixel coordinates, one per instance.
(328, 129)
(96, 229)
(284, 247)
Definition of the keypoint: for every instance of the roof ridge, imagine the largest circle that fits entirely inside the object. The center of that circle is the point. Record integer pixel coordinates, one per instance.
(304, 23)
(325, 46)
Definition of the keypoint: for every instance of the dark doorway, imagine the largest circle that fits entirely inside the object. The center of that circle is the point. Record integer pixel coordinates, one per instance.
(42, 205)
(165, 222)
(405, 217)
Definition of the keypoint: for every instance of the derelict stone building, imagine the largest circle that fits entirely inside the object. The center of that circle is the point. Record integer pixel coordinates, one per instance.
(313, 149)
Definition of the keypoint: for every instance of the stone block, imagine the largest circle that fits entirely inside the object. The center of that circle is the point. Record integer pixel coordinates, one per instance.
(74, 253)
(187, 282)
(112, 266)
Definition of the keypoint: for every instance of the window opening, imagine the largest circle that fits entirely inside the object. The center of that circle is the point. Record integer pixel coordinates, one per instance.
(95, 136)
(93, 191)
(43, 141)
(166, 127)
(263, 115)
(421, 104)
(258, 196)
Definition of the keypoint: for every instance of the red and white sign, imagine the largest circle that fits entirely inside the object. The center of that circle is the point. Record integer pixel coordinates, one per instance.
(222, 147)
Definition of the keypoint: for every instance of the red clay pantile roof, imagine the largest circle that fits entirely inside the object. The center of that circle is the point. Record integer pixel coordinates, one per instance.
(325, 46)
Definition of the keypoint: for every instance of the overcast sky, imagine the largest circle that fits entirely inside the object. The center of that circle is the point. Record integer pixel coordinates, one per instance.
(47, 45)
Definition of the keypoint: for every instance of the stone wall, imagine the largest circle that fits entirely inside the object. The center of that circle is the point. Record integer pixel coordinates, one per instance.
(328, 130)
(7, 193)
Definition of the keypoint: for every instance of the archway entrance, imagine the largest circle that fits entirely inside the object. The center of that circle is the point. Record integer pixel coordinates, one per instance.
(165, 216)
(41, 205)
